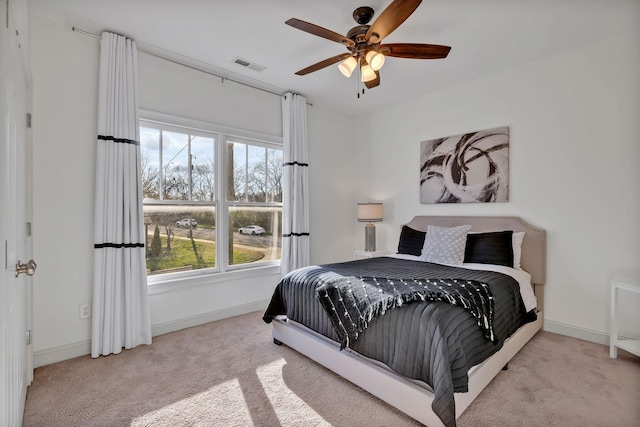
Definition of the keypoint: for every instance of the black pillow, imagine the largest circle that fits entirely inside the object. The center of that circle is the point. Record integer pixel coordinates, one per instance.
(490, 248)
(411, 241)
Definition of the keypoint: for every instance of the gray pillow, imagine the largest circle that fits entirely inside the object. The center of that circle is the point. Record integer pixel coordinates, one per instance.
(444, 245)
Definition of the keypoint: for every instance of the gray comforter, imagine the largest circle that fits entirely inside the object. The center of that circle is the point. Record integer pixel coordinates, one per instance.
(431, 341)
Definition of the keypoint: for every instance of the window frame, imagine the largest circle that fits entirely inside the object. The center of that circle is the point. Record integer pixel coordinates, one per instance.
(221, 134)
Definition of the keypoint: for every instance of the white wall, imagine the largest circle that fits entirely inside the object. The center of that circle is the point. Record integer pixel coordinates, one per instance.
(174, 89)
(65, 68)
(332, 187)
(64, 126)
(574, 127)
(574, 156)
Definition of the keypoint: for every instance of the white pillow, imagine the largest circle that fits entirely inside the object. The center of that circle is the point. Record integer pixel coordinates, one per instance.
(444, 245)
(517, 239)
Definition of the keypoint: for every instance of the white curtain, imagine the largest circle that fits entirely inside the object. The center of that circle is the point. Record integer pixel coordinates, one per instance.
(295, 209)
(120, 317)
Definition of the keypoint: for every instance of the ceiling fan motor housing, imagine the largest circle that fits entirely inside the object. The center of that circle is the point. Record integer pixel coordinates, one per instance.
(357, 34)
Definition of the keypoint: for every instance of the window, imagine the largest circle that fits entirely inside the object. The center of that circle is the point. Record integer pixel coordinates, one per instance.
(254, 197)
(182, 180)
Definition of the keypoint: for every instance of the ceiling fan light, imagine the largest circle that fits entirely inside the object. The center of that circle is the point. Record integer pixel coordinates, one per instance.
(367, 73)
(375, 59)
(347, 66)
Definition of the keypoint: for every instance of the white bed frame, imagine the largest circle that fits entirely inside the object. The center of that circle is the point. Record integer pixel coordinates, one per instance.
(405, 394)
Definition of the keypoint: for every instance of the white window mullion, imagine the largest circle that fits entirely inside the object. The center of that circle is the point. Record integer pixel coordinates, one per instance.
(190, 167)
(222, 206)
(266, 176)
(246, 173)
(161, 168)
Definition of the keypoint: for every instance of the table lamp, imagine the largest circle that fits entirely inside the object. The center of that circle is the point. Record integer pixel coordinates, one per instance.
(369, 212)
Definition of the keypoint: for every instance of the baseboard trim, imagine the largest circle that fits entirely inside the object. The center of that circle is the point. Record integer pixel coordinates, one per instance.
(212, 316)
(60, 353)
(581, 333)
(83, 348)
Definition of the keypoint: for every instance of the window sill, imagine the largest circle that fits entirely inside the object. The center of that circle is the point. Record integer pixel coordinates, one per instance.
(173, 284)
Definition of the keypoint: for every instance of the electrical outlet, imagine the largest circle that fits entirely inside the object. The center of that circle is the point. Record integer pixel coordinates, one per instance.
(85, 311)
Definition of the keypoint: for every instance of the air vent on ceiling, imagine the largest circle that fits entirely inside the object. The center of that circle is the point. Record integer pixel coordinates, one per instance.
(248, 64)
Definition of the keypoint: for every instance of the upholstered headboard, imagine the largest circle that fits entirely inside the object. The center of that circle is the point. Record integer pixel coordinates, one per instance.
(534, 246)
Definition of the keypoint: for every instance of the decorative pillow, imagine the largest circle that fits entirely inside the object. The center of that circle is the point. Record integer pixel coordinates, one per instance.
(411, 241)
(518, 238)
(490, 248)
(445, 245)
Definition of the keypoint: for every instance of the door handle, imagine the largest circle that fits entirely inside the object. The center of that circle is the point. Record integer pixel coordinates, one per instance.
(29, 268)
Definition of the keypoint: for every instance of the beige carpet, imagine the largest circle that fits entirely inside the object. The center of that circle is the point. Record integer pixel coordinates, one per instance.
(229, 373)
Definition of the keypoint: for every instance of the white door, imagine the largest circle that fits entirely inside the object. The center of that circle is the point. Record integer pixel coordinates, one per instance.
(16, 370)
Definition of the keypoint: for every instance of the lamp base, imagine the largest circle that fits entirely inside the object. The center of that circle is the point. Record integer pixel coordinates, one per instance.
(370, 237)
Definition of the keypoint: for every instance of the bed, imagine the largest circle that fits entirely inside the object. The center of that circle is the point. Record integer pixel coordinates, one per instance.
(425, 337)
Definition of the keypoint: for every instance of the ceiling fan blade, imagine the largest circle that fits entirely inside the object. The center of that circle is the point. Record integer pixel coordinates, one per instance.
(373, 83)
(391, 18)
(415, 50)
(322, 64)
(320, 31)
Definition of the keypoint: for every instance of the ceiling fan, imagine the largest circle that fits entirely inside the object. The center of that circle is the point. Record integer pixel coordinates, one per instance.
(364, 42)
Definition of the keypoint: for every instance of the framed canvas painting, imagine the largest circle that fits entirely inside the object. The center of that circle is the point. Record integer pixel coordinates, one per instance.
(468, 168)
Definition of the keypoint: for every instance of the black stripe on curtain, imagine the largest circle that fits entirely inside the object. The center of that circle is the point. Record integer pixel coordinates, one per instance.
(295, 163)
(295, 234)
(118, 245)
(122, 140)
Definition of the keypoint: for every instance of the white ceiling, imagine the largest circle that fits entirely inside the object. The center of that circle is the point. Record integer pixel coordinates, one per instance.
(486, 36)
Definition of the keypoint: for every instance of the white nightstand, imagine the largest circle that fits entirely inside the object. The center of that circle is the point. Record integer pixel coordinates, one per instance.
(632, 346)
(369, 254)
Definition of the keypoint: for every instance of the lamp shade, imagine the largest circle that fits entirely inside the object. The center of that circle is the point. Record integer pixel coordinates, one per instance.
(369, 212)
(375, 59)
(347, 66)
(367, 73)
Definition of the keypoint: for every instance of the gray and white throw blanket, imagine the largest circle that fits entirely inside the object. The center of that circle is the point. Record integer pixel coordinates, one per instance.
(351, 302)
(435, 341)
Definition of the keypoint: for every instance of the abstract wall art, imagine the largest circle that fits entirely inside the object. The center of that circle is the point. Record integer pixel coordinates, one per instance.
(468, 168)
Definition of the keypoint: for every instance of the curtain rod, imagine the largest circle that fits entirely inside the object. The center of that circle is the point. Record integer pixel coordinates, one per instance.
(86, 33)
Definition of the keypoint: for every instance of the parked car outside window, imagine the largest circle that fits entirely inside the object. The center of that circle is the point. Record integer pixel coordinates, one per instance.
(186, 222)
(251, 229)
